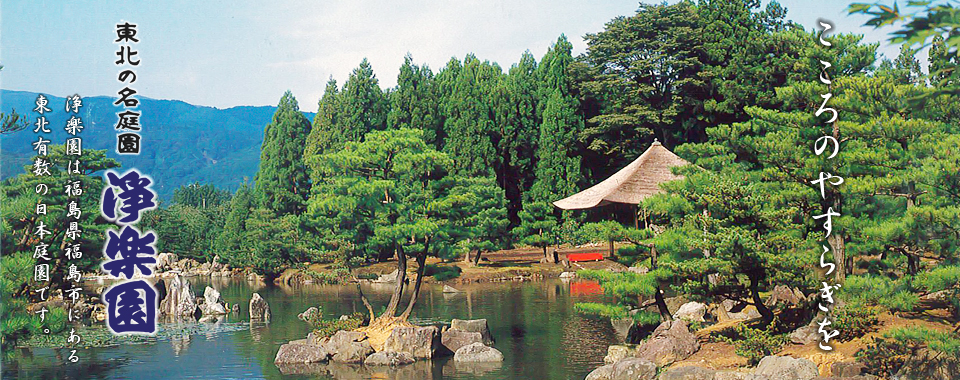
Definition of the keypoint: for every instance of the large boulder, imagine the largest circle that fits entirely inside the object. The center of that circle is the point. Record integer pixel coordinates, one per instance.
(180, 300)
(353, 353)
(785, 368)
(389, 358)
(616, 353)
(848, 369)
(601, 373)
(477, 352)
(212, 303)
(299, 352)
(348, 347)
(805, 335)
(634, 369)
(421, 342)
(259, 309)
(166, 261)
(688, 373)
(452, 340)
(732, 375)
(670, 342)
(473, 325)
(783, 294)
(691, 311)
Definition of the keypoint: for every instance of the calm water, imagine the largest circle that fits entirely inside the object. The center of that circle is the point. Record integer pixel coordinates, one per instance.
(534, 325)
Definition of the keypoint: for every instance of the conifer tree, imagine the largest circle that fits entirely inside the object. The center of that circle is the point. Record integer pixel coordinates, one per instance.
(282, 183)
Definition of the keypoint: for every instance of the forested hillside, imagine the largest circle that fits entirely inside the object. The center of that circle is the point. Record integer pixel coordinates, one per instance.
(184, 143)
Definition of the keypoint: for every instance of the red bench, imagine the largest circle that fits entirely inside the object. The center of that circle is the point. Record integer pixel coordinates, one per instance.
(574, 257)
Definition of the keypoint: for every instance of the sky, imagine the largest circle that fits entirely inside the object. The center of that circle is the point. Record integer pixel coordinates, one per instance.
(246, 52)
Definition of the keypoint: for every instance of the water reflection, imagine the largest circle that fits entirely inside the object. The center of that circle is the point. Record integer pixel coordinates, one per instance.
(534, 325)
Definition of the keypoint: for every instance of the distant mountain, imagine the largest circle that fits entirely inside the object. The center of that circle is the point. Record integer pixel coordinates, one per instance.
(182, 143)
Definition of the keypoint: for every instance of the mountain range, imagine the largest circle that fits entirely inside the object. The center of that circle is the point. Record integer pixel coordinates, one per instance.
(181, 143)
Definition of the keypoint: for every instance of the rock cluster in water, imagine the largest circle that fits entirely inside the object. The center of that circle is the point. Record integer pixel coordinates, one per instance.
(467, 340)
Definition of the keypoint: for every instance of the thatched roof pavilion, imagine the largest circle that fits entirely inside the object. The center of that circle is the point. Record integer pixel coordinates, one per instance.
(638, 180)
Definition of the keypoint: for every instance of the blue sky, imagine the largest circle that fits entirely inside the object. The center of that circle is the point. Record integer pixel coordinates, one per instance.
(244, 52)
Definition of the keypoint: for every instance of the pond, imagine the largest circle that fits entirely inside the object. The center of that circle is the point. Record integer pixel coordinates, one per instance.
(534, 324)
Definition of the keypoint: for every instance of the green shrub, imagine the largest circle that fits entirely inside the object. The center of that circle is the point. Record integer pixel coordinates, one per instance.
(879, 291)
(884, 357)
(442, 273)
(326, 328)
(854, 320)
(754, 344)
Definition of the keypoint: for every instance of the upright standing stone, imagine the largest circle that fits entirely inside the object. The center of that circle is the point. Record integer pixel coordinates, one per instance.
(259, 310)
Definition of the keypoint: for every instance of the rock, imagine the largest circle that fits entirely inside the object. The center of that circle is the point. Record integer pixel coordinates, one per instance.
(670, 342)
(391, 277)
(785, 295)
(310, 315)
(732, 375)
(300, 353)
(347, 346)
(450, 289)
(568, 275)
(688, 373)
(627, 329)
(452, 340)
(805, 335)
(212, 303)
(616, 353)
(634, 369)
(166, 261)
(474, 325)
(785, 368)
(848, 369)
(691, 311)
(344, 317)
(259, 309)
(420, 342)
(389, 358)
(343, 337)
(180, 300)
(353, 352)
(639, 270)
(601, 373)
(859, 377)
(477, 352)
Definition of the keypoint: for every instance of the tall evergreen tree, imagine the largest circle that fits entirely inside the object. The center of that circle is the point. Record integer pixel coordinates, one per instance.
(414, 103)
(282, 182)
(326, 122)
(363, 106)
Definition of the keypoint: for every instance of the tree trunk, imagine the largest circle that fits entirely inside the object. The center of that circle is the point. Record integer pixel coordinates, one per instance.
(366, 303)
(612, 252)
(401, 279)
(421, 264)
(658, 294)
(913, 263)
(839, 257)
(765, 312)
(476, 258)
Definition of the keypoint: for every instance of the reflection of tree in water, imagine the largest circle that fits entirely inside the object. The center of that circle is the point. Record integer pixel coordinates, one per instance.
(27, 365)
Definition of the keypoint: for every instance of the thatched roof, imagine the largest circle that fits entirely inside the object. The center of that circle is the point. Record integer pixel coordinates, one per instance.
(638, 180)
